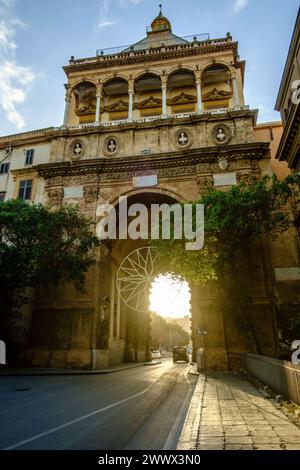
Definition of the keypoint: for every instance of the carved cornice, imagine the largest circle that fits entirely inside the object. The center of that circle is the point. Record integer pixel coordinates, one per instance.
(37, 136)
(46, 135)
(24, 172)
(179, 163)
(288, 149)
(148, 56)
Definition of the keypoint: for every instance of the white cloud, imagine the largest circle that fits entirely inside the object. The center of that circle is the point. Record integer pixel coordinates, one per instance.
(15, 79)
(126, 3)
(239, 5)
(104, 15)
(6, 41)
(107, 23)
(106, 8)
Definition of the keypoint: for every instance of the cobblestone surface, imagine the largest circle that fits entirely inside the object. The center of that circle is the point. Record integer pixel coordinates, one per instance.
(228, 413)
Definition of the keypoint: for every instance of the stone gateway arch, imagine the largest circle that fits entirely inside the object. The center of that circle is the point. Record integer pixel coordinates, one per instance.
(162, 120)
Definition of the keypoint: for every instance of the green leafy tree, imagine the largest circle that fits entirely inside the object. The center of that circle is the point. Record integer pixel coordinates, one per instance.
(38, 247)
(235, 222)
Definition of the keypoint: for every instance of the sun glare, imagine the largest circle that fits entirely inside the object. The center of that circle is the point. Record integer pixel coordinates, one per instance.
(170, 297)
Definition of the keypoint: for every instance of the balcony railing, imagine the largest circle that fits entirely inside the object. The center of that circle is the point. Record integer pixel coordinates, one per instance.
(203, 37)
(155, 118)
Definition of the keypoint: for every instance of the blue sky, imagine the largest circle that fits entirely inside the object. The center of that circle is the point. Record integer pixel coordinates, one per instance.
(37, 37)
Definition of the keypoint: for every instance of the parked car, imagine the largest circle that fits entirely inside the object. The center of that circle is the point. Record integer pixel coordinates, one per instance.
(155, 354)
(181, 353)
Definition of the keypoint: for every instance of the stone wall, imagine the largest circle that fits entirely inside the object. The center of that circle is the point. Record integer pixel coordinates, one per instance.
(282, 376)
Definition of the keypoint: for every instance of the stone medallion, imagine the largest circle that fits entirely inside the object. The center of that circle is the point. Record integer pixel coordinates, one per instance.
(76, 149)
(183, 139)
(223, 163)
(111, 146)
(221, 134)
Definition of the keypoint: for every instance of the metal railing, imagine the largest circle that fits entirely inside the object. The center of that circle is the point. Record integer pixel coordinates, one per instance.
(203, 37)
(156, 118)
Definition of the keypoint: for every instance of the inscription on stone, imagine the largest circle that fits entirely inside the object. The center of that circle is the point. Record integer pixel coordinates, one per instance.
(144, 181)
(225, 179)
(73, 192)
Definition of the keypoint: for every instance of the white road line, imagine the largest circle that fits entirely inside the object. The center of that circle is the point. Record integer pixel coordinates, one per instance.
(74, 421)
(175, 432)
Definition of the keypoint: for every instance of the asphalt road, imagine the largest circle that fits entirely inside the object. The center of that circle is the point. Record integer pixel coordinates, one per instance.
(141, 408)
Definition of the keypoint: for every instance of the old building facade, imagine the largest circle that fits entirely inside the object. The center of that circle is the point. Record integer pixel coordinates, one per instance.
(168, 108)
(288, 103)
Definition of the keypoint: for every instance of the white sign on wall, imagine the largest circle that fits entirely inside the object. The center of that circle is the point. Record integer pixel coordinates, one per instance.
(287, 274)
(144, 181)
(73, 192)
(225, 179)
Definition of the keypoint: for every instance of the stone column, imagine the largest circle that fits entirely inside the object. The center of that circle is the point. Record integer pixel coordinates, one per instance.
(67, 106)
(112, 304)
(199, 97)
(130, 105)
(164, 95)
(118, 302)
(235, 91)
(98, 107)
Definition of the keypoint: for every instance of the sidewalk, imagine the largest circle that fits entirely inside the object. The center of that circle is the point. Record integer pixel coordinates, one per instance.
(228, 413)
(54, 372)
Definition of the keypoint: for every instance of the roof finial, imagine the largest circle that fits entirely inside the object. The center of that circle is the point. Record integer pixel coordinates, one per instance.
(160, 9)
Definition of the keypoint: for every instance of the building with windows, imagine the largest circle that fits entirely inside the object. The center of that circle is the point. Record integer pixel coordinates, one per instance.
(159, 121)
(288, 101)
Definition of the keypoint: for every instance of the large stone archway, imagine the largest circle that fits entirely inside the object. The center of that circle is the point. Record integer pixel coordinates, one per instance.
(89, 330)
(128, 334)
(96, 329)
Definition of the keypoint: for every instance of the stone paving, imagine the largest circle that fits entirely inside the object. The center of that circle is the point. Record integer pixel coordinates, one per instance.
(228, 413)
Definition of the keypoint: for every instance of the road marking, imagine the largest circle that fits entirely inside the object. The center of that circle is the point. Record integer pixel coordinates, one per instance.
(175, 432)
(77, 420)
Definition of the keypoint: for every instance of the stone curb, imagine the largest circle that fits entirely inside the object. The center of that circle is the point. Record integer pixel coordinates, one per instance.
(188, 439)
(55, 373)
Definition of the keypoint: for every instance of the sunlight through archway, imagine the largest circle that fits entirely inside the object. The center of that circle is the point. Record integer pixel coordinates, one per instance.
(170, 297)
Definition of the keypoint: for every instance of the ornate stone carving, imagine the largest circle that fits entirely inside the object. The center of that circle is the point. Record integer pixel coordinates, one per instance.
(221, 134)
(150, 102)
(75, 180)
(204, 182)
(55, 196)
(183, 139)
(223, 163)
(246, 178)
(111, 146)
(157, 55)
(120, 105)
(106, 169)
(56, 181)
(161, 173)
(216, 94)
(182, 98)
(85, 98)
(90, 193)
(203, 167)
(76, 149)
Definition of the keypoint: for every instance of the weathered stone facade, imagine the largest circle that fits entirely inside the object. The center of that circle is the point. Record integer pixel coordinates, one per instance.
(165, 107)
